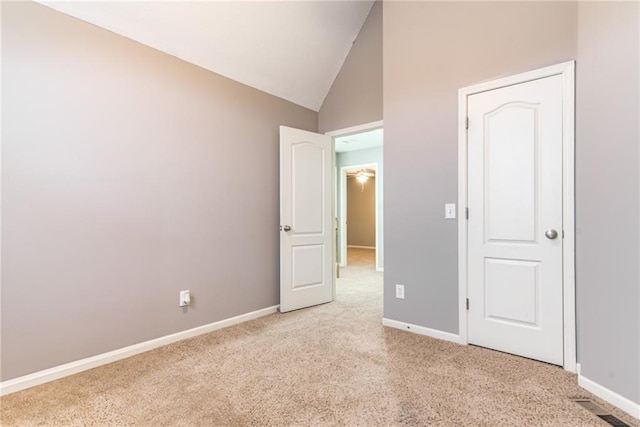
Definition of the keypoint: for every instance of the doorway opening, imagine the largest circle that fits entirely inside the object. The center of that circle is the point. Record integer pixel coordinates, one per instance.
(357, 218)
(358, 202)
(358, 155)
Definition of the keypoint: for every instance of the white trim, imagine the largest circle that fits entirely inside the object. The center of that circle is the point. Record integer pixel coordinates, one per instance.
(630, 407)
(335, 222)
(421, 330)
(1, 175)
(361, 247)
(567, 71)
(61, 371)
(568, 216)
(356, 129)
(380, 269)
(462, 222)
(342, 217)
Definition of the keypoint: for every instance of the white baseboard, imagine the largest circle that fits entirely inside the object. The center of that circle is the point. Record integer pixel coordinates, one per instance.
(630, 407)
(379, 269)
(421, 330)
(360, 247)
(57, 372)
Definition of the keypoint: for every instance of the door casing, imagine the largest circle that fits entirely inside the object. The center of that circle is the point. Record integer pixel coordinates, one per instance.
(567, 71)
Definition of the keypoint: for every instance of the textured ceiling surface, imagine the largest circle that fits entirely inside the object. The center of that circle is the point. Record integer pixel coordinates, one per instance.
(290, 49)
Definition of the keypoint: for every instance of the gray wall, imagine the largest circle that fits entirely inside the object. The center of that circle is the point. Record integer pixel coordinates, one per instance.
(362, 157)
(122, 184)
(431, 49)
(608, 194)
(361, 212)
(356, 94)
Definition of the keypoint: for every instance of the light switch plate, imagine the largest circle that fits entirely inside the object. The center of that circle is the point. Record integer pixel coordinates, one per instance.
(450, 211)
(185, 298)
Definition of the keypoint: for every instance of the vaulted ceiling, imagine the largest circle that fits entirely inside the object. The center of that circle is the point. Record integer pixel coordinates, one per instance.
(290, 49)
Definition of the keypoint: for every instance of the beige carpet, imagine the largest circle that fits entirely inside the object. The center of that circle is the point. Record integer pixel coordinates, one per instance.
(329, 365)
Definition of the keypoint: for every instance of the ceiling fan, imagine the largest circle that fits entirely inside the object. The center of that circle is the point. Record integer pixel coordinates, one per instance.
(362, 175)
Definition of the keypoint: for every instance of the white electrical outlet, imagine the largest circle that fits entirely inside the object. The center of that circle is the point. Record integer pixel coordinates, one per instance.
(400, 291)
(185, 298)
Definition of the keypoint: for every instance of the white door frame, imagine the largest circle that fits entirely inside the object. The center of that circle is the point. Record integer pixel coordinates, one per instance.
(342, 229)
(345, 132)
(567, 71)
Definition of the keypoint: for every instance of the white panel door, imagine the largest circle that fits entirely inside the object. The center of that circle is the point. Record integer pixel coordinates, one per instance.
(515, 219)
(306, 219)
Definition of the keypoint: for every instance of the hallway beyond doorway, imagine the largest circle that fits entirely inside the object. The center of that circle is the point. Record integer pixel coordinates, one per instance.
(361, 258)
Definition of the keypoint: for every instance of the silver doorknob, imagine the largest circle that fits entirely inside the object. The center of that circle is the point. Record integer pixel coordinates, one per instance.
(551, 233)
(287, 228)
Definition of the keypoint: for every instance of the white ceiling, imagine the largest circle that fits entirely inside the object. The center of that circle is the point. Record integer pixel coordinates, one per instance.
(359, 141)
(290, 49)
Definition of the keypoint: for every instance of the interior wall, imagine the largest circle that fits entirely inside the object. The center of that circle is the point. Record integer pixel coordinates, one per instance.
(123, 182)
(363, 157)
(432, 49)
(608, 195)
(361, 212)
(355, 97)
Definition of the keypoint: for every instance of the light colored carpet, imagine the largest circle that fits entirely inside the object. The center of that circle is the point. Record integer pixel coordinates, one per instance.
(329, 365)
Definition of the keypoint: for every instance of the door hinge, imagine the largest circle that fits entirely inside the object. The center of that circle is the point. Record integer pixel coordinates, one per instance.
(466, 123)
(466, 212)
(467, 303)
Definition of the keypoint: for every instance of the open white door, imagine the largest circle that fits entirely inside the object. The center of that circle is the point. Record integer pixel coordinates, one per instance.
(306, 219)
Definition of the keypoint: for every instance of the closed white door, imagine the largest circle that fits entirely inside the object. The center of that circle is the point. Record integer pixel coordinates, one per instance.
(515, 219)
(306, 219)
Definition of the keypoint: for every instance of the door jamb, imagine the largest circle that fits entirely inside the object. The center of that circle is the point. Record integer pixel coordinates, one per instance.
(567, 71)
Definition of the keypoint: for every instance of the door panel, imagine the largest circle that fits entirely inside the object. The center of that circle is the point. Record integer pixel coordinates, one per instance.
(306, 239)
(308, 187)
(307, 263)
(515, 194)
(510, 167)
(512, 291)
